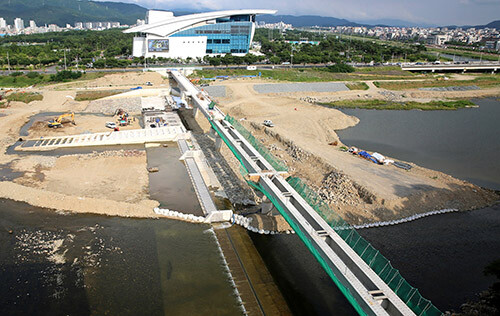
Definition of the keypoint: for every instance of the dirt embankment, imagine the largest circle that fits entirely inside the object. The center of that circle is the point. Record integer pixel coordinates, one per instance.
(111, 183)
(359, 204)
(360, 190)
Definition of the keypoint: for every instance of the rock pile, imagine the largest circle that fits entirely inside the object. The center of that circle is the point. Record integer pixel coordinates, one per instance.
(230, 182)
(336, 187)
(297, 153)
(309, 99)
(112, 153)
(109, 107)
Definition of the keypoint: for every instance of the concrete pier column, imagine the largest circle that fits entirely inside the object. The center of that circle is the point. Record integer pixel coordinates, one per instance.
(218, 143)
(195, 111)
(212, 132)
(266, 206)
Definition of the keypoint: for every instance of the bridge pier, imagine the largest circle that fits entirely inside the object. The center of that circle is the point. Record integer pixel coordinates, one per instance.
(218, 143)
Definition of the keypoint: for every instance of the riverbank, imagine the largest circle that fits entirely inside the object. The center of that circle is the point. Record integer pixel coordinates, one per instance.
(359, 190)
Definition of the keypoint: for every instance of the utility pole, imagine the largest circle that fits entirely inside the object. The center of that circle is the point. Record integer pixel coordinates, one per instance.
(8, 62)
(65, 59)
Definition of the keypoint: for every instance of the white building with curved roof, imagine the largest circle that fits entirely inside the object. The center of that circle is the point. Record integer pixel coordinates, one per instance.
(195, 35)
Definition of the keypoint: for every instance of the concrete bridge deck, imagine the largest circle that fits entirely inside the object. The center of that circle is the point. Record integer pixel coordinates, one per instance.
(134, 136)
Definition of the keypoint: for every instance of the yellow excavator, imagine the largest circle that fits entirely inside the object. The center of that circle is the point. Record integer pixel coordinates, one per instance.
(58, 121)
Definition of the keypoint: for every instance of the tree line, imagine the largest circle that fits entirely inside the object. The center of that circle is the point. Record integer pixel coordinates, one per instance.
(112, 48)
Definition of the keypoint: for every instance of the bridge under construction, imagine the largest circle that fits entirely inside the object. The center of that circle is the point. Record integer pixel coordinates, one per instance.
(365, 277)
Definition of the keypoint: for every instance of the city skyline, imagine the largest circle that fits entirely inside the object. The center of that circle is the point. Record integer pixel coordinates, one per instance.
(425, 12)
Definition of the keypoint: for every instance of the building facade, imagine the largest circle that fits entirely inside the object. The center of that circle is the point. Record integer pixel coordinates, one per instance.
(195, 35)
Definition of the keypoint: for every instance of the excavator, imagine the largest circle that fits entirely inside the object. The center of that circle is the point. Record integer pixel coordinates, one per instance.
(58, 121)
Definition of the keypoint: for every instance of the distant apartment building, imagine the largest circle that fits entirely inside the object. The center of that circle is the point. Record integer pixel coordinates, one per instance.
(492, 43)
(78, 25)
(3, 23)
(18, 24)
(32, 24)
(437, 39)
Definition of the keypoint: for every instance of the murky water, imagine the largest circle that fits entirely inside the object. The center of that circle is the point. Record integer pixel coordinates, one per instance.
(54, 264)
(443, 255)
(171, 185)
(463, 143)
(306, 287)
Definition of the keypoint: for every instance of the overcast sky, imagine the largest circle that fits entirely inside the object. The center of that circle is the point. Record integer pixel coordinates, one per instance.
(438, 12)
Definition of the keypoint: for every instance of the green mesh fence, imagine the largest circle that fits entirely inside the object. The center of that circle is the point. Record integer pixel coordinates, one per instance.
(277, 164)
(364, 249)
(367, 252)
(309, 244)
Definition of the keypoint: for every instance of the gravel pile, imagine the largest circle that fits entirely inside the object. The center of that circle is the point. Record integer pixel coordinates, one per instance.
(336, 187)
(112, 153)
(309, 99)
(109, 107)
(301, 87)
(452, 88)
(216, 91)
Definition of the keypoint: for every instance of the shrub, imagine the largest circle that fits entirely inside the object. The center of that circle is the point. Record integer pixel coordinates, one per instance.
(340, 67)
(65, 75)
(32, 75)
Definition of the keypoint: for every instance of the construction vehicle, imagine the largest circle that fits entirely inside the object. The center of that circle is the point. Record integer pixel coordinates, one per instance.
(58, 121)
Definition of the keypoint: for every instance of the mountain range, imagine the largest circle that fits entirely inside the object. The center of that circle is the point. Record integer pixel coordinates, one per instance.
(62, 12)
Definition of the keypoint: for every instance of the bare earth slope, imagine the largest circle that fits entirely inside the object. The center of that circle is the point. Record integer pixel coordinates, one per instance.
(310, 128)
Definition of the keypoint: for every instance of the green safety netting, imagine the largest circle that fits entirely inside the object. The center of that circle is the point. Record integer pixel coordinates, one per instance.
(277, 164)
(378, 263)
(367, 252)
(344, 288)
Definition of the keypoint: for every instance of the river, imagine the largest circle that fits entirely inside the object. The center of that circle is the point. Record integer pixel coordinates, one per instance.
(61, 264)
(443, 255)
(463, 143)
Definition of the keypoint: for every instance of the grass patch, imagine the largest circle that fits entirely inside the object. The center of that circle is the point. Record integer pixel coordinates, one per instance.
(483, 82)
(20, 80)
(94, 95)
(378, 104)
(3, 105)
(25, 97)
(312, 74)
(357, 86)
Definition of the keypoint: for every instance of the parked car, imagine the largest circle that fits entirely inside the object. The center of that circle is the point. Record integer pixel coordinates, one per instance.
(111, 125)
(268, 123)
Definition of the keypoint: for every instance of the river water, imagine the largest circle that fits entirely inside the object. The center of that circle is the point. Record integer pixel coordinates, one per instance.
(81, 264)
(464, 143)
(74, 264)
(443, 255)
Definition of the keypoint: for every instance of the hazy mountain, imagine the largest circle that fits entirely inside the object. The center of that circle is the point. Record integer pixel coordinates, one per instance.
(305, 20)
(494, 24)
(394, 22)
(61, 12)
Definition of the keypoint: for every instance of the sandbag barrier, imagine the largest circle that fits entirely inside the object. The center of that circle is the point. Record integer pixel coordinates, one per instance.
(402, 220)
(246, 223)
(179, 215)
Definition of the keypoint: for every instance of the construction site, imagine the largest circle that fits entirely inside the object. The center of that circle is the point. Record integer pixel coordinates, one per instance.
(248, 152)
